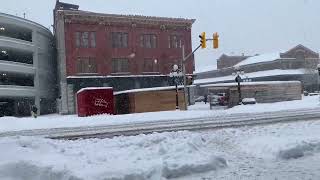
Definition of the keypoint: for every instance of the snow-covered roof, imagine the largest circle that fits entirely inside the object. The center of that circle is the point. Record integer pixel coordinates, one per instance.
(260, 58)
(147, 89)
(250, 83)
(205, 69)
(274, 72)
(93, 88)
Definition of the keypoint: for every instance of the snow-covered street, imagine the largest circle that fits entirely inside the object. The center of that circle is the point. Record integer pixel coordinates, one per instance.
(200, 110)
(279, 151)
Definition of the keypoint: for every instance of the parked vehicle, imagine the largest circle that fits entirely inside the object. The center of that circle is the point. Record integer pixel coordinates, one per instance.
(218, 99)
(199, 99)
(246, 101)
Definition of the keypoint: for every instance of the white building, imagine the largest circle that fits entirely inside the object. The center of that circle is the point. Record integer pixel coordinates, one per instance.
(27, 67)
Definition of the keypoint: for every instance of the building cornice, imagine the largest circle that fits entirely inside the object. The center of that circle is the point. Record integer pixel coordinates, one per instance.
(134, 20)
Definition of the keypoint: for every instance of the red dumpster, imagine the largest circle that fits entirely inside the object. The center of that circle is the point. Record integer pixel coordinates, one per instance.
(95, 100)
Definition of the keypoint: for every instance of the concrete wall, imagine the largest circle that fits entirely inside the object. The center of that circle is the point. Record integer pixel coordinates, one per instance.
(269, 93)
(263, 92)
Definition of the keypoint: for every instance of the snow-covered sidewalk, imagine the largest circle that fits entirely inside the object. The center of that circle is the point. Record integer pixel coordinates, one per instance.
(279, 151)
(200, 110)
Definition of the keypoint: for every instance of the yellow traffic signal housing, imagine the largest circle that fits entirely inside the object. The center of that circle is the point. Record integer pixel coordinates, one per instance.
(215, 40)
(203, 40)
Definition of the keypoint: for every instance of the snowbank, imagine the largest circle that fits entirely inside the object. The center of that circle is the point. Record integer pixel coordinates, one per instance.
(143, 157)
(282, 141)
(30, 171)
(263, 152)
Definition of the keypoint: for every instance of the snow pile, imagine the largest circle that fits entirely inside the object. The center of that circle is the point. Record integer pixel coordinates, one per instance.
(300, 150)
(29, 171)
(281, 141)
(143, 157)
(175, 170)
(259, 152)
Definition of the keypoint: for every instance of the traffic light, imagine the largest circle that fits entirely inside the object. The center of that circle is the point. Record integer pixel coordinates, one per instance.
(203, 40)
(215, 40)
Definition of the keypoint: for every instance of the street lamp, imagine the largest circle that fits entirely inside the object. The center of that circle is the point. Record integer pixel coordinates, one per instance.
(175, 73)
(238, 79)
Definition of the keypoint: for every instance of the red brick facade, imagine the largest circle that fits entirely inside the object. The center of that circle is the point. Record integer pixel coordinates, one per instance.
(136, 55)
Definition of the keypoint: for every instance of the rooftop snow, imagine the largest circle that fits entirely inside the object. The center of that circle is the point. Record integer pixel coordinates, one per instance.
(275, 72)
(93, 88)
(205, 69)
(147, 89)
(259, 59)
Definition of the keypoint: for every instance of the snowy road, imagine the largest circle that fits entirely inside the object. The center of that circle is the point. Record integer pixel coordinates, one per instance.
(218, 121)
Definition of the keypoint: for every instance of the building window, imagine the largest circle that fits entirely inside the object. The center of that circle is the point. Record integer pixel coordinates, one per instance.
(93, 39)
(83, 39)
(119, 39)
(86, 65)
(120, 65)
(148, 41)
(150, 65)
(78, 35)
(175, 41)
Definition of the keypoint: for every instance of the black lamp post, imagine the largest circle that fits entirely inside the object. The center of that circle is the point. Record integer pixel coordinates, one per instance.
(175, 75)
(238, 79)
(318, 68)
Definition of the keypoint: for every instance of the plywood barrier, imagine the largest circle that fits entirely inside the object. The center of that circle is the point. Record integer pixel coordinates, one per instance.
(148, 101)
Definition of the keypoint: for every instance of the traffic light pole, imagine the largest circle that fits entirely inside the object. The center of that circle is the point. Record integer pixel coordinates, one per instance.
(184, 59)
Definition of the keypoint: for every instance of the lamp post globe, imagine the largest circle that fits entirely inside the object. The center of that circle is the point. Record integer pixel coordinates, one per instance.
(175, 67)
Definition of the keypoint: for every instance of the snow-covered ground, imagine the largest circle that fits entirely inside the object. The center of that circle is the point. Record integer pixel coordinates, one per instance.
(279, 151)
(200, 110)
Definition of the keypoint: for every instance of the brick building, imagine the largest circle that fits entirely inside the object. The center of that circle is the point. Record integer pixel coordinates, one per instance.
(121, 51)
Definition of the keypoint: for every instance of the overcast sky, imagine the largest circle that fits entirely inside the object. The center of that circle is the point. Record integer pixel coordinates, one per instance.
(245, 26)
